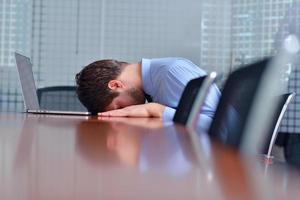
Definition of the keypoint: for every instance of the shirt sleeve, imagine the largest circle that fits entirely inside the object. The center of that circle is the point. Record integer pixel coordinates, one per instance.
(203, 122)
(169, 78)
(171, 86)
(168, 114)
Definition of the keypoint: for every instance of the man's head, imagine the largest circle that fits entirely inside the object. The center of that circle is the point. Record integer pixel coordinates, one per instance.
(100, 86)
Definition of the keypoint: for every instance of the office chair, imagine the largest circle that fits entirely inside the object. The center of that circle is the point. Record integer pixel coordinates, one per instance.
(186, 100)
(192, 99)
(59, 98)
(284, 101)
(291, 149)
(228, 125)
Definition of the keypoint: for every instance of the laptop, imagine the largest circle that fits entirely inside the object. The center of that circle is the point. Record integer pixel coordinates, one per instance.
(192, 100)
(30, 97)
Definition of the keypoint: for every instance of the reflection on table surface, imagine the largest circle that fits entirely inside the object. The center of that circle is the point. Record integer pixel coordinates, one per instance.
(73, 157)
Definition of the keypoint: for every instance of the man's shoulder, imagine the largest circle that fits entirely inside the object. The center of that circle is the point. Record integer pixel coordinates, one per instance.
(168, 60)
(171, 66)
(172, 62)
(174, 67)
(178, 65)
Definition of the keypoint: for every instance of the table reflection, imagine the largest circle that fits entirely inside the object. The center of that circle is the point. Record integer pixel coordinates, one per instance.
(144, 146)
(172, 150)
(52, 158)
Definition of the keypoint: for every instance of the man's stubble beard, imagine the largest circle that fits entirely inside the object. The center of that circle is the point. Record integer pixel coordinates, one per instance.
(137, 96)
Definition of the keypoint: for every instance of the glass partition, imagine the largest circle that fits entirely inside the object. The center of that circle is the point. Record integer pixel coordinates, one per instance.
(61, 37)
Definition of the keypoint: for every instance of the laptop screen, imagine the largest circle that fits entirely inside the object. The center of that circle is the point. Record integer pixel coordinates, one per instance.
(24, 67)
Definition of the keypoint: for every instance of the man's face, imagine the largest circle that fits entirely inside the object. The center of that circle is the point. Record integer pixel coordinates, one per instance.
(126, 98)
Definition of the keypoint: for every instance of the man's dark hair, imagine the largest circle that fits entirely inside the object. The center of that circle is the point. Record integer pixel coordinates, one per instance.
(92, 84)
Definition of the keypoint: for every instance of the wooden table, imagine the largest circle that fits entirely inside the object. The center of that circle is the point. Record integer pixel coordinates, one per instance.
(65, 157)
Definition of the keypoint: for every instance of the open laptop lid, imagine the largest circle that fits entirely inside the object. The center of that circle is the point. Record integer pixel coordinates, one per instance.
(24, 67)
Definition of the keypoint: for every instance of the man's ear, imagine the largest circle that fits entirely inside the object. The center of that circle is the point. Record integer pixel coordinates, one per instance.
(115, 84)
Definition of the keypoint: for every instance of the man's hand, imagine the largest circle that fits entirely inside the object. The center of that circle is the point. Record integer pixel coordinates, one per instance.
(142, 110)
(143, 122)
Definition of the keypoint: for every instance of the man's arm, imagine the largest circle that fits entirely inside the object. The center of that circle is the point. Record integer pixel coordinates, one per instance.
(142, 110)
(155, 110)
(203, 122)
(144, 122)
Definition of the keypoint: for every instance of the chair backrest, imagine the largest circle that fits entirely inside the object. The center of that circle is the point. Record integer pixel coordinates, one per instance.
(60, 98)
(235, 103)
(185, 103)
(284, 101)
(192, 99)
(244, 114)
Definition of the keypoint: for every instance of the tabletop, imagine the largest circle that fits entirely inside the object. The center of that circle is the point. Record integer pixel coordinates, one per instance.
(77, 157)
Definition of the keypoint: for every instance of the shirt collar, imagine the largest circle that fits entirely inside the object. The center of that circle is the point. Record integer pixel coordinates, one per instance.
(146, 76)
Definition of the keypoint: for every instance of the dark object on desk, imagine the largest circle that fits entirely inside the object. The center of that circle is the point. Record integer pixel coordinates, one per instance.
(61, 98)
(192, 99)
(284, 101)
(228, 125)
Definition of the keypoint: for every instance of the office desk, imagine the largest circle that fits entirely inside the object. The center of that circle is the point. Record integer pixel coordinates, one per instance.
(65, 157)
